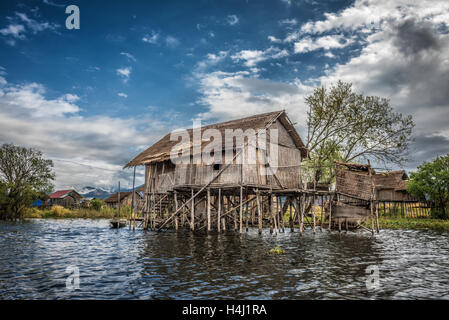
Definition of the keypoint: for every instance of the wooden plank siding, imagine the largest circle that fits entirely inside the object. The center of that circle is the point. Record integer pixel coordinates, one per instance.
(166, 175)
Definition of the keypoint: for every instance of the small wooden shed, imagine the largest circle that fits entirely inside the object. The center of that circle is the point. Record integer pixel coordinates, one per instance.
(391, 187)
(66, 198)
(125, 198)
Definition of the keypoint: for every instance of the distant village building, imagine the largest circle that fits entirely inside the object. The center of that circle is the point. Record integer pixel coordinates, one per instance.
(125, 198)
(391, 186)
(66, 198)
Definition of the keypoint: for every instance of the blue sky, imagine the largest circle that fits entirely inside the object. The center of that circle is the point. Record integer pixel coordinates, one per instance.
(92, 98)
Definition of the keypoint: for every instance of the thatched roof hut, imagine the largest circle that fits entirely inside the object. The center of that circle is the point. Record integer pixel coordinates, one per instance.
(163, 175)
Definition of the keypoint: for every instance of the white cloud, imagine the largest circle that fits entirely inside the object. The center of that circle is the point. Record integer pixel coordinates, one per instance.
(291, 22)
(222, 92)
(124, 73)
(253, 57)
(372, 13)
(274, 39)
(36, 26)
(14, 30)
(152, 38)
(232, 19)
(21, 24)
(128, 55)
(326, 42)
(123, 95)
(172, 42)
(88, 150)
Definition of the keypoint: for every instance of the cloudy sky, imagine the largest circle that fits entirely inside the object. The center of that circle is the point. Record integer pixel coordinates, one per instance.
(91, 99)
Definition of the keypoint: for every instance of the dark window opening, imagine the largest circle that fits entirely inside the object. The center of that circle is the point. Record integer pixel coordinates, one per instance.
(217, 166)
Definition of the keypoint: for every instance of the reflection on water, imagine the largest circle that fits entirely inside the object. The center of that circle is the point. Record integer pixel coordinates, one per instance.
(121, 264)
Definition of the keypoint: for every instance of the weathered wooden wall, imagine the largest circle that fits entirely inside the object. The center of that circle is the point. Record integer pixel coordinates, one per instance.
(165, 175)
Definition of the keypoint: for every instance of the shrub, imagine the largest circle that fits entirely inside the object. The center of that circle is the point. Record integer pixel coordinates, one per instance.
(96, 204)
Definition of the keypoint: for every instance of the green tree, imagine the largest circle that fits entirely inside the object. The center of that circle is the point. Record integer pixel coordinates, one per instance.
(431, 182)
(24, 174)
(346, 126)
(96, 204)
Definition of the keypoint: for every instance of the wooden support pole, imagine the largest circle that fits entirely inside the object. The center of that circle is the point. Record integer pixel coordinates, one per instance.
(259, 212)
(290, 218)
(176, 208)
(219, 210)
(192, 214)
(313, 213)
(302, 204)
(246, 214)
(330, 213)
(273, 213)
(118, 218)
(241, 210)
(132, 202)
(322, 213)
(208, 211)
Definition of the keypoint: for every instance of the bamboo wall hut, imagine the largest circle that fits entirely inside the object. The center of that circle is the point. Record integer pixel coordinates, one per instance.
(162, 175)
(216, 194)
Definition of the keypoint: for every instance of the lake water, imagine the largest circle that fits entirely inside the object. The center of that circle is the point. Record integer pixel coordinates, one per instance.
(121, 264)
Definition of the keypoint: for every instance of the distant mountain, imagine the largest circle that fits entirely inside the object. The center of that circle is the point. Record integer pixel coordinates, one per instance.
(100, 193)
(92, 192)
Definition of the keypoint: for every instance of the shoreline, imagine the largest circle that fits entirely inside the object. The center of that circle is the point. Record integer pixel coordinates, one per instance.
(393, 223)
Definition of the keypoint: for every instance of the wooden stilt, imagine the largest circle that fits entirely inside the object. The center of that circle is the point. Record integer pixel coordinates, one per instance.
(330, 213)
(290, 218)
(118, 203)
(259, 212)
(176, 208)
(132, 201)
(322, 213)
(219, 211)
(241, 210)
(192, 214)
(273, 213)
(313, 213)
(246, 214)
(301, 216)
(208, 211)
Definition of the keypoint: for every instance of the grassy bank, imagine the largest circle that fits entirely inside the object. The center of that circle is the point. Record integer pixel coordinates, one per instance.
(412, 223)
(58, 212)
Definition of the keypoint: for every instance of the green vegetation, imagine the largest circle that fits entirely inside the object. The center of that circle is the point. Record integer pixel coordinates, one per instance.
(277, 250)
(24, 176)
(431, 182)
(411, 223)
(59, 212)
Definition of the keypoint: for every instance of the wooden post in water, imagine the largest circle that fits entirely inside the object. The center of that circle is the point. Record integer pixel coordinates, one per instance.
(330, 213)
(219, 211)
(246, 213)
(302, 204)
(313, 212)
(118, 218)
(192, 216)
(259, 212)
(132, 201)
(322, 213)
(273, 214)
(372, 196)
(208, 210)
(241, 210)
(290, 218)
(176, 208)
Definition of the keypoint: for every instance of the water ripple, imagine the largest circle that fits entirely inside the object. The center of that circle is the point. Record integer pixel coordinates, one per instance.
(119, 264)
